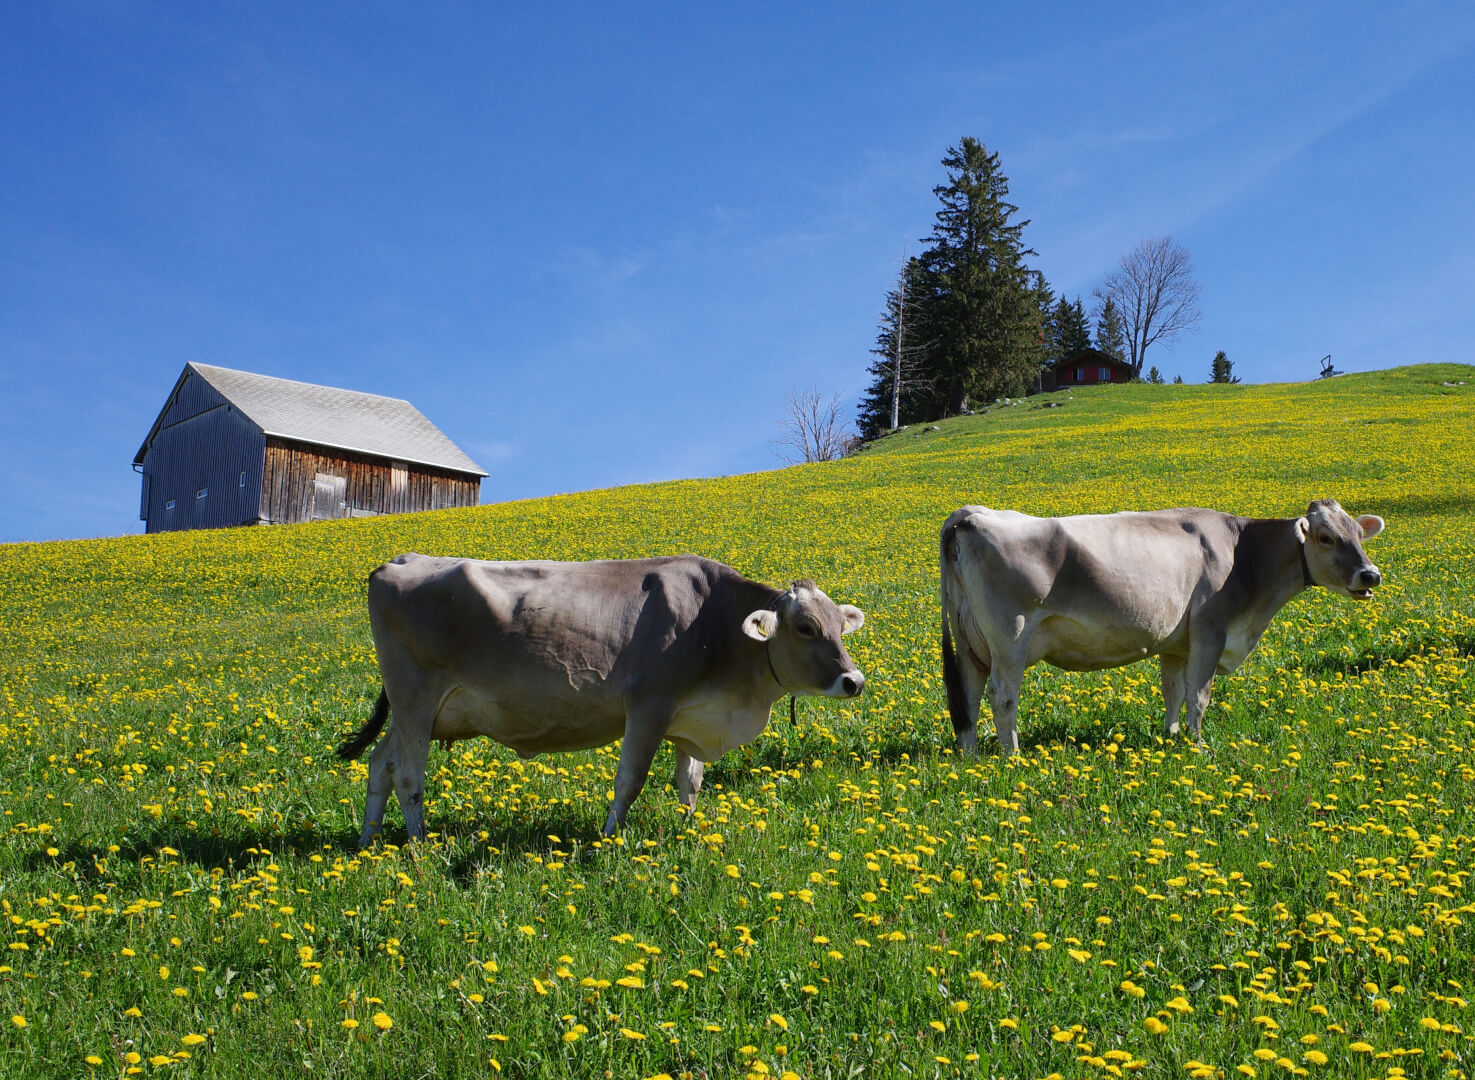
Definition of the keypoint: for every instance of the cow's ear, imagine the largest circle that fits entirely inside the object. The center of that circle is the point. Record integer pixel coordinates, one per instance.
(1371, 525)
(1302, 528)
(854, 618)
(761, 624)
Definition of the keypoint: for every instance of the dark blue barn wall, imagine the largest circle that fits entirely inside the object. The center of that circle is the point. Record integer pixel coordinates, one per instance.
(202, 444)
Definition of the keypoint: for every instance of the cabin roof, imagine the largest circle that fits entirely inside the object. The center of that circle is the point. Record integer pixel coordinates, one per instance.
(328, 416)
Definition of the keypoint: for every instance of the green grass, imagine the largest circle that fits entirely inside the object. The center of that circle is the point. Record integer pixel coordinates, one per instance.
(851, 898)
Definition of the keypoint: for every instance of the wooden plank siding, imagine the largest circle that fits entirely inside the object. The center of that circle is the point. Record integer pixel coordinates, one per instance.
(289, 484)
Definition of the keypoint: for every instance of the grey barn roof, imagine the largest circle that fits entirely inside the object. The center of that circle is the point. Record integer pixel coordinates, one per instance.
(327, 416)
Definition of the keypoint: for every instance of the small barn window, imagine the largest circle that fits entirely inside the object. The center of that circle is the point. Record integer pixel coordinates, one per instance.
(1103, 374)
(202, 493)
(169, 505)
(1080, 374)
(243, 479)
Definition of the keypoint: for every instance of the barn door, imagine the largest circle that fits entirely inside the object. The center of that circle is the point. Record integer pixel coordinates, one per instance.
(328, 494)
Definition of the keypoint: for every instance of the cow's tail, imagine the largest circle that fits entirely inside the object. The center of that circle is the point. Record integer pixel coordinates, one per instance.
(957, 700)
(364, 737)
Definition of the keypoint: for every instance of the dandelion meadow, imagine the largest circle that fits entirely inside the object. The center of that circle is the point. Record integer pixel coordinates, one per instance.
(183, 895)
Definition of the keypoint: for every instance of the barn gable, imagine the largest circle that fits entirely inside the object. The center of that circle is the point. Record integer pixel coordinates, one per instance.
(231, 447)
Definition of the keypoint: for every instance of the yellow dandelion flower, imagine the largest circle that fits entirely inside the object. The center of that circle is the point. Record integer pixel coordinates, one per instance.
(18, 1020)
(1154, 1026)
(778, 1021)
(630, 1033)
(381, 1021)
(192, 1039)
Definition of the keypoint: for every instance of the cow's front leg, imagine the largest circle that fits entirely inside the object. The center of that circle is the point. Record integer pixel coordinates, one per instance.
(688, 778)
(1198, 681)
(644, 730)
(1175, 669)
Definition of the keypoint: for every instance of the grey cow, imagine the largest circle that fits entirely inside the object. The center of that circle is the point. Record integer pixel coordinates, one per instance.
(1194, 587)
(551, 656)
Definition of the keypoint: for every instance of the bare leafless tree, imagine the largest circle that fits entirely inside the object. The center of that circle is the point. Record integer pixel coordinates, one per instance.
(812, 428)
(907, 350)
(1154, 291)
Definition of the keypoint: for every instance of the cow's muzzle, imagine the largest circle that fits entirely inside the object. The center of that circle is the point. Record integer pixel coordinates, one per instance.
(852, 683)
(1364, 582)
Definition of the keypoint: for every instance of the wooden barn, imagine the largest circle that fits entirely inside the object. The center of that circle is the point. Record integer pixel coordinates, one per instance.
(1085, 367)
(233, 448)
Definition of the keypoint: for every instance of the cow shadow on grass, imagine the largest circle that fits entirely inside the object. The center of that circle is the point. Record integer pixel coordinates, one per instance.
(1373, 659)
(97, 862)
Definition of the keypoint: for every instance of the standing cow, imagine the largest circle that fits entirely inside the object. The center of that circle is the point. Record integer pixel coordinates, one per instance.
(1195, 587)
(549, 656)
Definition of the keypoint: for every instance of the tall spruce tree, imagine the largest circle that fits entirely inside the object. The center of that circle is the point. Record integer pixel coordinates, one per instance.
(981, 301)
(1111, 336)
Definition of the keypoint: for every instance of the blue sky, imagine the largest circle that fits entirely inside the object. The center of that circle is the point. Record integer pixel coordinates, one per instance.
(599, 243)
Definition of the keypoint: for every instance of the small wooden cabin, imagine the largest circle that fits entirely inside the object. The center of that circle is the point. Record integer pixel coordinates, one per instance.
(234, 448)
(1085, 367)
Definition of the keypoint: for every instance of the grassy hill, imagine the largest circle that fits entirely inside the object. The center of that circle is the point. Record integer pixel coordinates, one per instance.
(183, 895)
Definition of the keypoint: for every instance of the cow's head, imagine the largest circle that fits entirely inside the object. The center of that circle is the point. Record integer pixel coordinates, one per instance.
(802, 629)
(1331, 540)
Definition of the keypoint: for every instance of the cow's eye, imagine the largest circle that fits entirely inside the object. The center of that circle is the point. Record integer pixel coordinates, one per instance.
(1325, 539)
(804, 629)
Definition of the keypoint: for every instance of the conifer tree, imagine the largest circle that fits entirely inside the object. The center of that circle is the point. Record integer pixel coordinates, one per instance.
(981, 300)
(1221, 370)
(1111, 337)
(1073, 329)
(1155, 376)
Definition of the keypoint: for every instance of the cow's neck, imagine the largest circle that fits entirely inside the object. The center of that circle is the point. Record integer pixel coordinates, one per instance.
(1280, 572)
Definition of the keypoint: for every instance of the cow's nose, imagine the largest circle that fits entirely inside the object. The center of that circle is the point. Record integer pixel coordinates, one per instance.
(1371, 577)
(852, 682)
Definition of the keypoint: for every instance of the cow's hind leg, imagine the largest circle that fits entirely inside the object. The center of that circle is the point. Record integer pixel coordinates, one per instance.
(644, 730)
(1004, 682)
(409, 779)
(381, 780)
(965, 676)
(688, 778)
(398, 763)
(975, 679)
(1175, 670)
